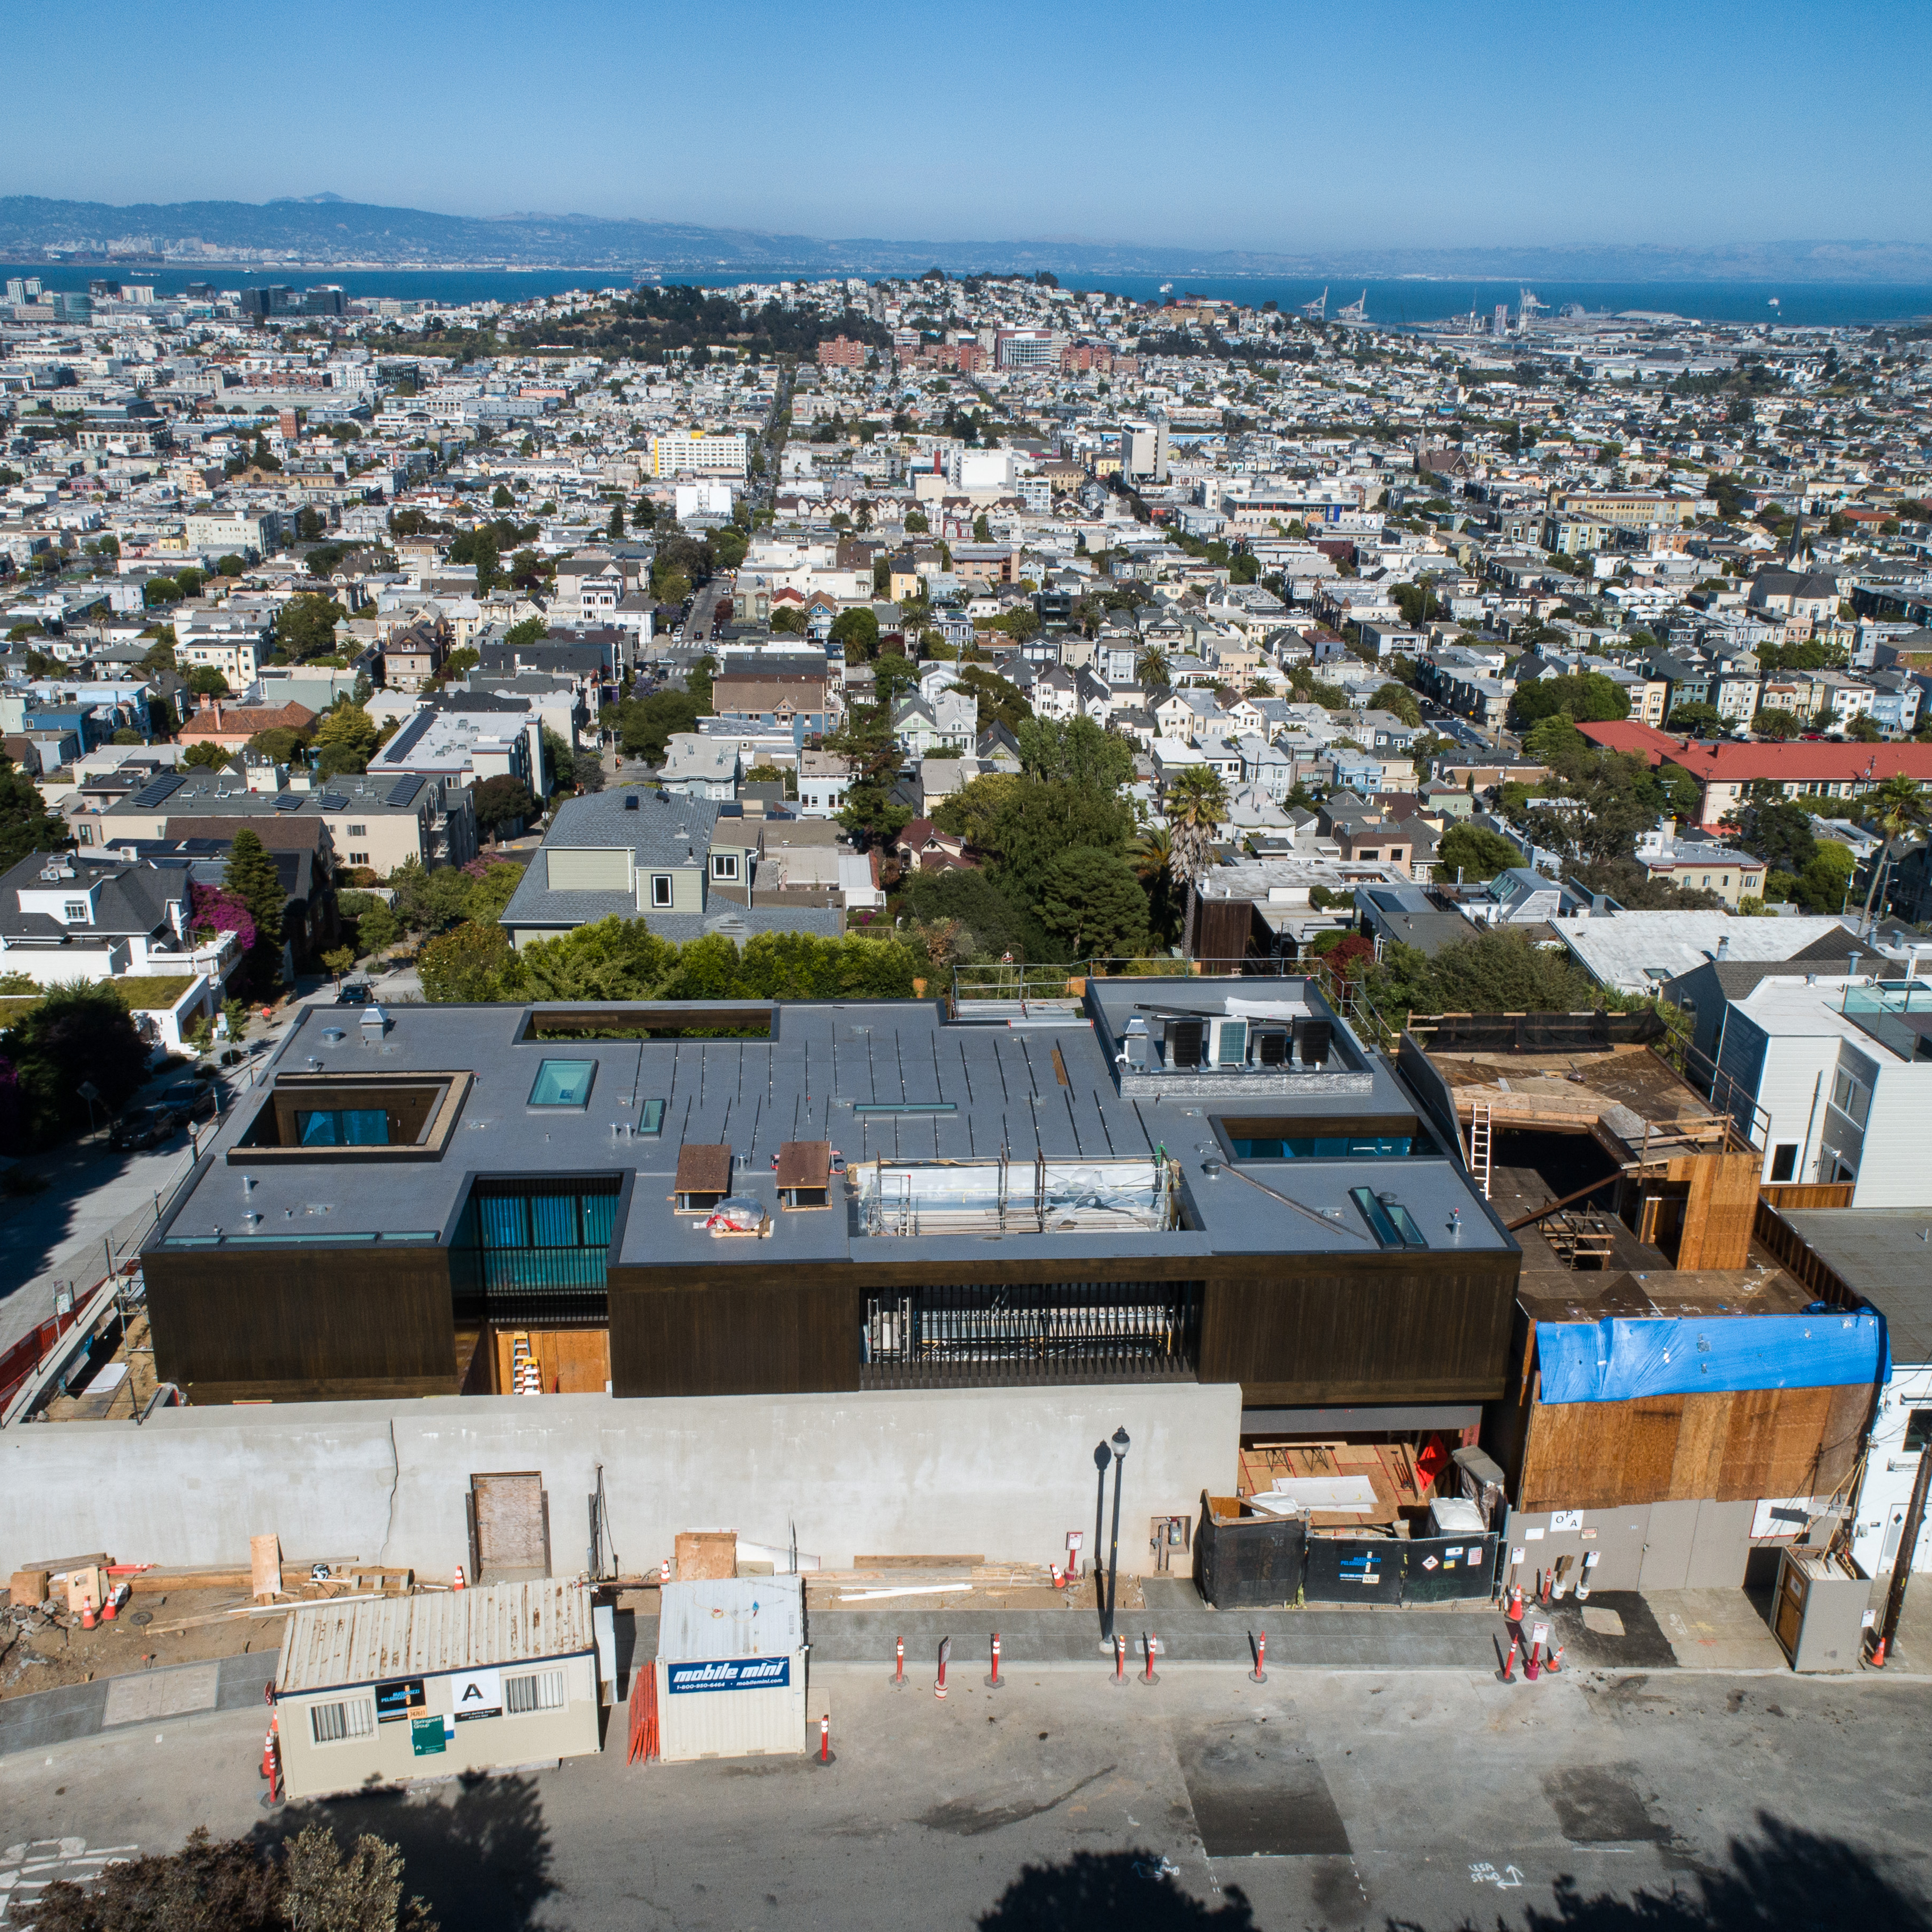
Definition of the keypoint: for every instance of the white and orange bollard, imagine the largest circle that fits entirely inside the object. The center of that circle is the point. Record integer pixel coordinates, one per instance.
(945, 1655)
(1120, 1677)
(1149, 1639)
(898, 1663)
(1259, 1673)
(996, 1682)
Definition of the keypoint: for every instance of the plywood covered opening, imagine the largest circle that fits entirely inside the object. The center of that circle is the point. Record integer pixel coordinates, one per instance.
(704, 1177)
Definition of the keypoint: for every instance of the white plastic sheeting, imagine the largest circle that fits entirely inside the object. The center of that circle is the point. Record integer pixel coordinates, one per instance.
(905, 1198)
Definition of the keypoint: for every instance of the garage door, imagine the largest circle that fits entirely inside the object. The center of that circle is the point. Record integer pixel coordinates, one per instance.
(509, 1527)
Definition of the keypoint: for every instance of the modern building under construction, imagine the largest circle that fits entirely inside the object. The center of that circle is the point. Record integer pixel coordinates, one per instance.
(1679, 1399)
(1202, 1180)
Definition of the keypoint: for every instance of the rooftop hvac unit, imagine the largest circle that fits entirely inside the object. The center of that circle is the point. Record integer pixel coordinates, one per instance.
(1183, 1042)
(1228, 1043)
(1312, 1039)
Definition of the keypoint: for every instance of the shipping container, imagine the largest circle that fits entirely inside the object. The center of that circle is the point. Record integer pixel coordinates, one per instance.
(730, 1668)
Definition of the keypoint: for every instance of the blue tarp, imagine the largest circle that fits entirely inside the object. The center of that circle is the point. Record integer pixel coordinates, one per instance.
(1612, 1361)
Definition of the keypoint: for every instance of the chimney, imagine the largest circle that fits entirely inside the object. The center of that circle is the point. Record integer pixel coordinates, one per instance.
(1724, 946)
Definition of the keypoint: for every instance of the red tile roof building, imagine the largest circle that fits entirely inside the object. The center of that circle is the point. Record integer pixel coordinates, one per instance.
(1800, 768)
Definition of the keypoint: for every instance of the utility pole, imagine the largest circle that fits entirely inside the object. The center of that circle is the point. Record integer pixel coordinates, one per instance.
(1901, 1568)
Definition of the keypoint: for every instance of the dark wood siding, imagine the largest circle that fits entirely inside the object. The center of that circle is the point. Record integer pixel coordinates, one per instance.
(1372, 1328)
(1366, 1329)
(750, 1334)
(1223, 929)
(329, 1322)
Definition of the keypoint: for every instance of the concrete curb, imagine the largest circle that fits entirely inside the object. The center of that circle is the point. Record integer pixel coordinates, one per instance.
(44, 1718)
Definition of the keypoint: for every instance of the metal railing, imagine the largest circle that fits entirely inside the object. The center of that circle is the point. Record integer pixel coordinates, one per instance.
(1002, 1336)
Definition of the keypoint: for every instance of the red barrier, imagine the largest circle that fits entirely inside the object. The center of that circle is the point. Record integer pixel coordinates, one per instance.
(644, 1715)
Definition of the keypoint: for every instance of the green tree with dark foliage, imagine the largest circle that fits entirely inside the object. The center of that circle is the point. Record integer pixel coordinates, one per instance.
(305, 628)
(857, 632)
(1470, 852)
(502, 801)
(1091, 901)
(1588, 698)
(252, 876)
(81, 1032)
(25, 824)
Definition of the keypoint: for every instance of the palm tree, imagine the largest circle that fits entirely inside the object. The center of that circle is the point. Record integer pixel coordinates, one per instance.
(1152, 853)
(1898, 810)
(1197, 802)
(1151, 668)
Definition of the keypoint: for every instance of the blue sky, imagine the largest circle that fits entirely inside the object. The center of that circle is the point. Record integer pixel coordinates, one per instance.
(1275, 125)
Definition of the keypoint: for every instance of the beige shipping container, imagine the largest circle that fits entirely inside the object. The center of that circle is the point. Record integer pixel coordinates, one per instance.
(482, 1679)
(730, 1668)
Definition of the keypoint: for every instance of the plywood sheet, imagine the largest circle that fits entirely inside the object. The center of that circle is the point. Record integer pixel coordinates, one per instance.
(1718, 1215)
(512, 1526)
(1700, 1444)
(706, 1556)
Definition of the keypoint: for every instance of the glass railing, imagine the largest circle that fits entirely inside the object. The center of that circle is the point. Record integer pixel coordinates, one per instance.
(1883, 1009)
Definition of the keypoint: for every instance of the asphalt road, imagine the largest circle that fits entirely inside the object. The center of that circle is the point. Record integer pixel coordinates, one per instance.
(1430, 1800)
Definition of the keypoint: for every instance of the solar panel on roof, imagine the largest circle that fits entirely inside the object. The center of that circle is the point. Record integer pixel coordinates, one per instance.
(405, 790)
(288, 801)
(155, 790)
(334, 801)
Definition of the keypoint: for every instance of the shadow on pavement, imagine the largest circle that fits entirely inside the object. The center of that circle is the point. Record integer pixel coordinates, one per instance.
(1789, 1879)
(482, 1856)
(1127, 1890)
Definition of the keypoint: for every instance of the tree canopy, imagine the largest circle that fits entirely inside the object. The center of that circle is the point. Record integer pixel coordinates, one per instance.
(1589, 697)
(623, 959)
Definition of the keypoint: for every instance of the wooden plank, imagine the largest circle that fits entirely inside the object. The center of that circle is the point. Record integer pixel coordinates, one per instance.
(264, 1567)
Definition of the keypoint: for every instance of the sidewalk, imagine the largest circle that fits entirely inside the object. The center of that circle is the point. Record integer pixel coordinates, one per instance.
(111, 1704)
(1707, 1632)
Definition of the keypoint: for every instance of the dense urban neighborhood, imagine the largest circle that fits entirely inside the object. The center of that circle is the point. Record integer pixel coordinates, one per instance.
(674, 959)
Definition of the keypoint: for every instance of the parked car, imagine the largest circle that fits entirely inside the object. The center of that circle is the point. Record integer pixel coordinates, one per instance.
(143, 1127)
(355, 993)
(191, 1100)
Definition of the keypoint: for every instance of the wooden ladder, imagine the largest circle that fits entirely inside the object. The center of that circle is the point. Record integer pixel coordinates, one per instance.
(1479, 1144)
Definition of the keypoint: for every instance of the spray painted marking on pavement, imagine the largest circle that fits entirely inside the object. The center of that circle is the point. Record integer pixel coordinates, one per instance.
(27, 1870)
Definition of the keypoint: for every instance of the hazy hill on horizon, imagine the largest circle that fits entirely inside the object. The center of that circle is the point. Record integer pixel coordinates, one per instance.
(320, 230)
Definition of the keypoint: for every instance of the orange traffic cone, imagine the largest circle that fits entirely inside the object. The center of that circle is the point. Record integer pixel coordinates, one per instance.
(458, 1584)
(1514, 1613)
(1878, 1655)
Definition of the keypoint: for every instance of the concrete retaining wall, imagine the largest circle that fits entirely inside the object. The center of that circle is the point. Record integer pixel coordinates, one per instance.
(1003, 1472)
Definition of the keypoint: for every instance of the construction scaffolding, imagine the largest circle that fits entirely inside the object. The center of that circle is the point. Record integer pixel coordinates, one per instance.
(1004, 1196)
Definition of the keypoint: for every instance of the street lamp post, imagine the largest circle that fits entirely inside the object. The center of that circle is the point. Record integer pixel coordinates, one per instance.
(1114, 1545)
(1101, 1459)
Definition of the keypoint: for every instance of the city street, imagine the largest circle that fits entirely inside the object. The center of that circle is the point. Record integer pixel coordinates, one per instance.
(1432, 1800)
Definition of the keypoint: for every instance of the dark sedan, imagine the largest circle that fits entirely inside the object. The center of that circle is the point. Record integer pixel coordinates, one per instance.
(143, 1127)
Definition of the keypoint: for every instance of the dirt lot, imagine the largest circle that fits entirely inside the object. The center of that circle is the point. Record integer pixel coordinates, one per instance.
(38, 1653)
